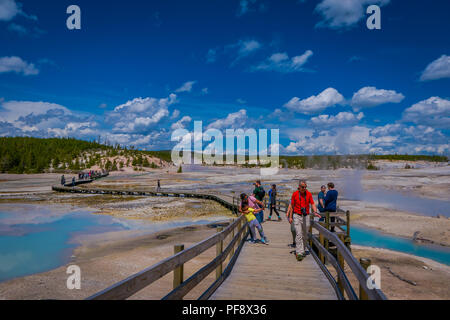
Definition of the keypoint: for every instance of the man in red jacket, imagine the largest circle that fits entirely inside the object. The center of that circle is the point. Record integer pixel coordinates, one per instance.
(299, 206)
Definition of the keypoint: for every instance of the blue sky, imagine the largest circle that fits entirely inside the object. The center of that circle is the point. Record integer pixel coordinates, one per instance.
(137, 70)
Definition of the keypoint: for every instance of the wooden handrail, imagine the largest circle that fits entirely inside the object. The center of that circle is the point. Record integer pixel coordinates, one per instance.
(131, 285)
(179, 292)
(360, 274)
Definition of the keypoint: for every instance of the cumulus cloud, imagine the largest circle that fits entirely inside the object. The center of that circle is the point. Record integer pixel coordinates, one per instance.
(140, 114)
(368, 97)
(16, 64)
(232, 121)
(246, 6)
(341, 119)
(43, 119)
(434, 111)
(182, 123)
(315, 104)
(438, 69)
(281, 62)
(186, 87)
(390, 138)
(338, 14)
(9, 9)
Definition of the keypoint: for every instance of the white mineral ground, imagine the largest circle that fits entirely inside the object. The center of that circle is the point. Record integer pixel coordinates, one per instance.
(111, 257)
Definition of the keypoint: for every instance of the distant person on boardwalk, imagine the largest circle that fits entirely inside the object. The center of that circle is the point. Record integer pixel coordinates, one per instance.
(73, 182)
(331, 202)
(273, 202)
(159, 185)
(301, 200)
(253, 223)
(63, 180)
(259, 193)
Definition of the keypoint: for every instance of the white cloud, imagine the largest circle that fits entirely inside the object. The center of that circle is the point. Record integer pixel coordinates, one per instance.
(282, 63)
(232, 121)
(182, 123)
(434, 111)
(8, 10)
(438, 69)
(368, 97)
(140, 114)
(341, 119)
(338, 14)
(246, 6)
(211, 56)
(391, 138)
(16, 64)
(186, 87)
(11, 111)
(315, 104)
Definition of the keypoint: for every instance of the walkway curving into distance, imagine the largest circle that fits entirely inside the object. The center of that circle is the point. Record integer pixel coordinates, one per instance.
(270, 272)
(261, 272)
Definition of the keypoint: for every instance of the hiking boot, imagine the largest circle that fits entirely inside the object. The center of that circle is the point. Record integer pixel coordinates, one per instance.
(263, 241)
(279, 219)
(269, 219)
(299, 257)
(266, 240)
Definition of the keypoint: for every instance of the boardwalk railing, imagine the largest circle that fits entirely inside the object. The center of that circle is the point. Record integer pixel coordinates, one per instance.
(133, 284)
(325, 245)
(330, 247)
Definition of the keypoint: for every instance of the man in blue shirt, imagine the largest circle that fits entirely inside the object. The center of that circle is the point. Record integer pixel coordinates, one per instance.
(331, 202)
(331, 198)
(321, 199)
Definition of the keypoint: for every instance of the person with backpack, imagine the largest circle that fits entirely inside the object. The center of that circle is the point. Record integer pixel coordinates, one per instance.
(273, 202)
(259, 193)
(298, 208)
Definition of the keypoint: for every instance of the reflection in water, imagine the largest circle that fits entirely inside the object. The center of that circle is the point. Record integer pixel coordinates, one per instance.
(38, 238)
(373, 238)
(351, 188)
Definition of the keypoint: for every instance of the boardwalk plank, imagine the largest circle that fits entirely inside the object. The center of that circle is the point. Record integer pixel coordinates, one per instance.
(270, 272)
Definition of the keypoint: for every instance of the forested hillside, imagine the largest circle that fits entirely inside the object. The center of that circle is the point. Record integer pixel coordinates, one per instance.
(33, 155)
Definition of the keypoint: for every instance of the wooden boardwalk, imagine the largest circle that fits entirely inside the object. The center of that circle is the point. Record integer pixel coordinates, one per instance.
(270, 272)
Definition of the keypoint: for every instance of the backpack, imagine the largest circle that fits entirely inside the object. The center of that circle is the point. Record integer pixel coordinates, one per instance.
(261, 193)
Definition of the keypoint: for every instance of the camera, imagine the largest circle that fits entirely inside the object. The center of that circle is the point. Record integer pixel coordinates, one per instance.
(303, 211)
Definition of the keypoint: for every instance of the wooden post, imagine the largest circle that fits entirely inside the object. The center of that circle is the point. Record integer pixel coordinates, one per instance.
(365, 263)
(341, 262)
(348, 223)
(322, 242)
(232, 237)
(327, 226)
(178, 272)
(219, 249)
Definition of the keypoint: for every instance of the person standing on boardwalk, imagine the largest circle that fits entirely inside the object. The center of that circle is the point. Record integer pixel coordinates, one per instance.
(159, 185)
(63, 180)
(331, 202)
(259, 193)
(252, 203)
(253, 223)
(73, 182)
(298, 208)
(273, 202)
